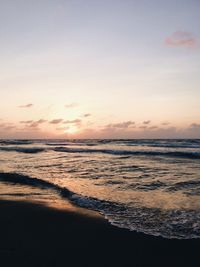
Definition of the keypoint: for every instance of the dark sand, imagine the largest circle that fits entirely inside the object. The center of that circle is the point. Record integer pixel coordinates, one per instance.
(34, 235)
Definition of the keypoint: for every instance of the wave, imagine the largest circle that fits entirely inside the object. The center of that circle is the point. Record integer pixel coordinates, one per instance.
(179, 224)
(150, 186)
(179, 147)
(182, 154)
(192, 184)
(20, 194)
(16, 178)
(168, 143)
(27, 150)
(164, 143)
(16, 142)
(71, 144)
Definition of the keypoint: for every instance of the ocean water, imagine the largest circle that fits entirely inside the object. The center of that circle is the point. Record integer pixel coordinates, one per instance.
(149, 186)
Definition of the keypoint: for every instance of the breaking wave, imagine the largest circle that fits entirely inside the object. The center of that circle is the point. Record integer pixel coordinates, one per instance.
(16, 142)
(182, 154)
(179, 224)
(27, 150)
(16, 178)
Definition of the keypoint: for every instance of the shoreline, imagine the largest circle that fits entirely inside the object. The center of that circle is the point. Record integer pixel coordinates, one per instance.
(36, 235)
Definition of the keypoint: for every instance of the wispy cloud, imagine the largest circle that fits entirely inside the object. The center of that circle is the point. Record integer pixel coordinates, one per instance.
(62, 128)
(10, 127)
(26, 122)
(41, 121)
(181, 39)
(86, 115)
(35, 124)
(139, 132)
(153, 127)
(122, 125)
(6, 125)
(195, 125)
(71, 105)
(76, 121)
(32, 123)
(165, 123)
(31, 127)
(56, 121)
(147, 122)
(26, 106)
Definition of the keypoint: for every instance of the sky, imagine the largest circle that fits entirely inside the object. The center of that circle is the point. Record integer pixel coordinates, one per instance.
(99, 69)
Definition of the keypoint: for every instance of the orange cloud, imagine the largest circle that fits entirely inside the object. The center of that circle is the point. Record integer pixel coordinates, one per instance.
(181, 39)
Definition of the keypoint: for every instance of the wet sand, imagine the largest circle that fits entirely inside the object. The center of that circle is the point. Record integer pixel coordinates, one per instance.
(40, 236)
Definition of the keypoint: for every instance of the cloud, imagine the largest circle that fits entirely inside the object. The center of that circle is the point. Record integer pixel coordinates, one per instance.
(76, 121)
(28, 130)
(165, 123)
(10, 127)
(122, 125)
(26, 106)
(71, 105)
(181, 39)
(56, 121)
(26, 122)
(62, 128)
(32, 130)
(7, 126)
(195, 125)
(87, 115)
(2, 125)
(146, 122)
(41, 121)
(31, 123)
(153, 127)
(131, 133)
(34, 124)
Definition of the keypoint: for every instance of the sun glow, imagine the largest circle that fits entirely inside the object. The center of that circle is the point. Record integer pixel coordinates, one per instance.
(71, 130)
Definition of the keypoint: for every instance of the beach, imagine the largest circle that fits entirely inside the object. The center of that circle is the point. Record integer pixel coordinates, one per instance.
(36, 235)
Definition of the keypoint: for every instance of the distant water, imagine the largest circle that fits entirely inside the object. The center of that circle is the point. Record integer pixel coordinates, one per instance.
(150, 186)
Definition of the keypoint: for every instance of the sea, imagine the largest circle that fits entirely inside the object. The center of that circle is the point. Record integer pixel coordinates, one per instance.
(148, 186)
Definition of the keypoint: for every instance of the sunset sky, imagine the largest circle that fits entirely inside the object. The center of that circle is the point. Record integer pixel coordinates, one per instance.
(99, 69)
